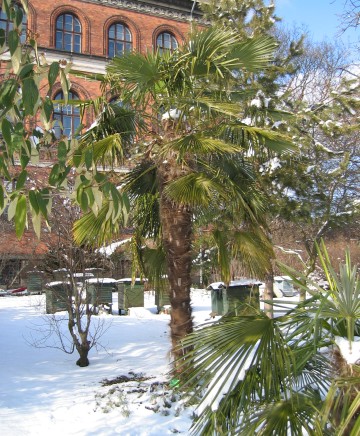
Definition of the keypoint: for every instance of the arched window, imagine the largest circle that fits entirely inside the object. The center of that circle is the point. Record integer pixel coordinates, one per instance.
(7, 24)
(166, 42)
(67, 115)
(119, 40)
(68, 33)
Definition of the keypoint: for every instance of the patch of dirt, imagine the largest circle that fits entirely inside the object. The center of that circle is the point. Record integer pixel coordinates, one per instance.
(124, 379)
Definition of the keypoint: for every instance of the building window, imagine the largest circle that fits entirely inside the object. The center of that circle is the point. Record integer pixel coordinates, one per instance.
(68, 33)
(119, 40)
(68, 116)
(7, 25)
(166, 42)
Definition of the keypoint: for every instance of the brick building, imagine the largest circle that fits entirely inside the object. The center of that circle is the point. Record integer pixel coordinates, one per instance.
(89, 33)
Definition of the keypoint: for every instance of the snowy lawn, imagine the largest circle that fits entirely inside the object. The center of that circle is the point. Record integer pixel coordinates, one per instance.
(43, 392)
(123, 391)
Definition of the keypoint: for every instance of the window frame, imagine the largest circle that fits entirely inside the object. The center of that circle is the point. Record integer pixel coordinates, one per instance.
(126, 41)
(69, 40)
(8, 24)
(66, 114)
(161, 47)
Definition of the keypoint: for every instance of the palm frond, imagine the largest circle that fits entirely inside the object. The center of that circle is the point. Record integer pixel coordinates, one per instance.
(207, 52)
(146, 216)
(246, 355)
(141, 75)
(95, 230)
(284, 417)
(256, 137)
(154, 264)
(107, 151)
(253, 248)
(198, 143)
(141, 180)
(253, 54)
(194, 190)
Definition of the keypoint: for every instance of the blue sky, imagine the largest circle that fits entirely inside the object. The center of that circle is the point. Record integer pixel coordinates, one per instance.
(320, 17)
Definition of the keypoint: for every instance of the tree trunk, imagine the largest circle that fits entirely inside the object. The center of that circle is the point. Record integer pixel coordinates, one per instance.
(176, 222)
(269, 294)
(83, 351)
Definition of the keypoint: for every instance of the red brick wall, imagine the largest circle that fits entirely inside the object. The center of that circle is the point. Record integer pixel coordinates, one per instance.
(95, 19)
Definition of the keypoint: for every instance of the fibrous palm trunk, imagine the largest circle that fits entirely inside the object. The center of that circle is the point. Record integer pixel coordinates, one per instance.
(176, 222)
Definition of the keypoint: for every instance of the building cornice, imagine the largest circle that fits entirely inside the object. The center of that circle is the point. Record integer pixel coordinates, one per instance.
(178, 10)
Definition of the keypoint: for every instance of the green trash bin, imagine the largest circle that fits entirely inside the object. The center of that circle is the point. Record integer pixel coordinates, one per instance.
(217, 304)
(129, 294)
(35, 282)
(236, 298)
(99, 292)
(240, 296)
(57, 296)
(162, 299)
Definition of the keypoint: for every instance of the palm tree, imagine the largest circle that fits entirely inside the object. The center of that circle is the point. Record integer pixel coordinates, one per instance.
(194, 151)
(284, 376)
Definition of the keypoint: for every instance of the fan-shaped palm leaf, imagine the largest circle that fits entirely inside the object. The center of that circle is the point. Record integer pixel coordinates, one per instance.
(247, 355)
(198, 143)
(98, 229)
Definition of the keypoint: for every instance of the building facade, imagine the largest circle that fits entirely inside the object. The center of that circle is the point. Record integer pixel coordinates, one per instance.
(88, 34)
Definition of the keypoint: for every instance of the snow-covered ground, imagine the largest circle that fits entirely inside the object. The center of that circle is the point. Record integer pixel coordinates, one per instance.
(43, 392)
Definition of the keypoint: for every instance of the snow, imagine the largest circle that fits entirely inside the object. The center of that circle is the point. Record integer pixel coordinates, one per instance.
(110, 249)
(271, 165)
(172, 114)
(101, 280)
(43, 391)
(349, 351)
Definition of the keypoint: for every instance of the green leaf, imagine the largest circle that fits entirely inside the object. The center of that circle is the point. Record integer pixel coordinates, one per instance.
(12, 208)
(115, 197)
(16, 60)
(18, 17)
(2, 37)
(21, 180)
(79, 192)
(64, 85)
(30, 96)
(33, 199)
(54, 175)
(13, 41)
(20, 216)
(62, 152)
(43, 201)
(2, 197)
(88, 159)
(48, 108)
(6, 129)
(90, 195)
(53, 73)
(24, 160)
(25, 70)
(7, 93)
(4, 170)
(98, 199)
(84, 201)
(36, 221)
(100, 178)
(77, 158)
(126, 202)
